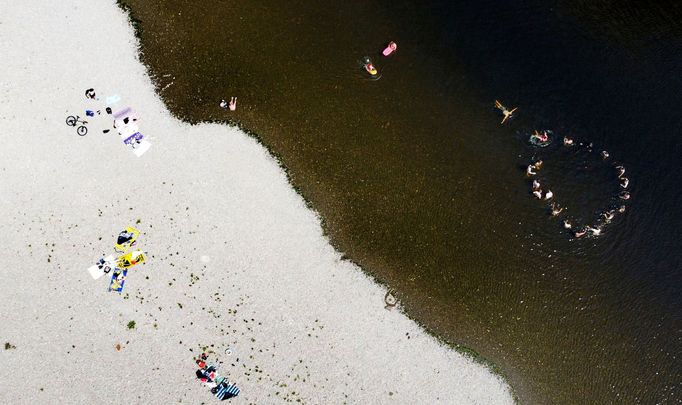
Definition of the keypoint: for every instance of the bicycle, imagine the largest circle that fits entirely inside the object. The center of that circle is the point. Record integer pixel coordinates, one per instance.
(73, 121)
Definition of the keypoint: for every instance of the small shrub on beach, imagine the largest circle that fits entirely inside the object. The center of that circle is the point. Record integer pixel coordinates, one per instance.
(131, 325)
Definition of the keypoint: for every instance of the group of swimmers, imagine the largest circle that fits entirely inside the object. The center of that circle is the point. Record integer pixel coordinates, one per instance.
(542, 138)
(606, 217)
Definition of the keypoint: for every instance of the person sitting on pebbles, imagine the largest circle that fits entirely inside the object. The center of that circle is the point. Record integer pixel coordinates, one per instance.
(604, 154)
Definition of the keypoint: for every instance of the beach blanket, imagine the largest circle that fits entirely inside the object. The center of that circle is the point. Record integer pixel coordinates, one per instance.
(118, 278)
(98, 270)
(130, 259)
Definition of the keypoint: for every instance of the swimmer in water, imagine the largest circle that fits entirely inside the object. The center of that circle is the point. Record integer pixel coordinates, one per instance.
(542, 137)
(233, 103)
(369, 67)
(538, 193)
(556, 210)
(621, 171)
(549, 195)
(536, 185)
(624, 182)
(604, 154)
(621, 209)
(507, 114)
(624, 195)
(568, 141)
(580, 233)
(529, 170)
(537, 165)
(223, 104)
(567, 224)
(608, 216)
(594, 231)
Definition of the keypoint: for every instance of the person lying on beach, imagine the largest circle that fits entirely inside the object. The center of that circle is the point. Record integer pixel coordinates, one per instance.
(529, 170)
(624, 195)
(556, 210)
(538, 193)
(624, 182)
(536, 185)
(568, 141)
(549, 195)
(507, 114)
(567, 224)
(608, 216)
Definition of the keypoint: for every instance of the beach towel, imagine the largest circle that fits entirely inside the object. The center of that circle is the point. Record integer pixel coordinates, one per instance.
(227, 391)
(118, 278)
(97, 270)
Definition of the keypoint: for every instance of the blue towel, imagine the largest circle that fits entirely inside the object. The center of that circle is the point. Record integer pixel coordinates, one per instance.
(226, 391)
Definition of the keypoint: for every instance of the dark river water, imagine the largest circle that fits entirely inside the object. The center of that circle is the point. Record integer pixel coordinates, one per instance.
(418, 182)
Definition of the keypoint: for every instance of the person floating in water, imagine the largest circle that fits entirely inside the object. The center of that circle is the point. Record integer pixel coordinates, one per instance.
(529, 170)
(624, 182)
(608, 216)
(549, 195)
(233, 103)
(507, 113)
(568, 141)
(369, 67)
(556, 210)
(596, 231)
(604, 154)
(624, 195)
(621, 171)
(567, 224)
(542, 137)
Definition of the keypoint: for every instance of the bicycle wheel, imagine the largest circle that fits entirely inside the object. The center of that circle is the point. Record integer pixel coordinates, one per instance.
(71, 121)
(82, 130)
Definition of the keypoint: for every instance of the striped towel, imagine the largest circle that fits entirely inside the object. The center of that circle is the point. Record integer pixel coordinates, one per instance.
(226, 391)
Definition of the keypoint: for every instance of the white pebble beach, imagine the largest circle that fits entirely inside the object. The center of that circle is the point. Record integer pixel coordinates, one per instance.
(235, 258)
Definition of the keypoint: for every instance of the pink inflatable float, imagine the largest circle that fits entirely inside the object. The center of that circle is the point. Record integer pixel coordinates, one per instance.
(390, 48)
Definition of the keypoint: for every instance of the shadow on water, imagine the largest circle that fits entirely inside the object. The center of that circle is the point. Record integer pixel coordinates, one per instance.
(419, 183)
